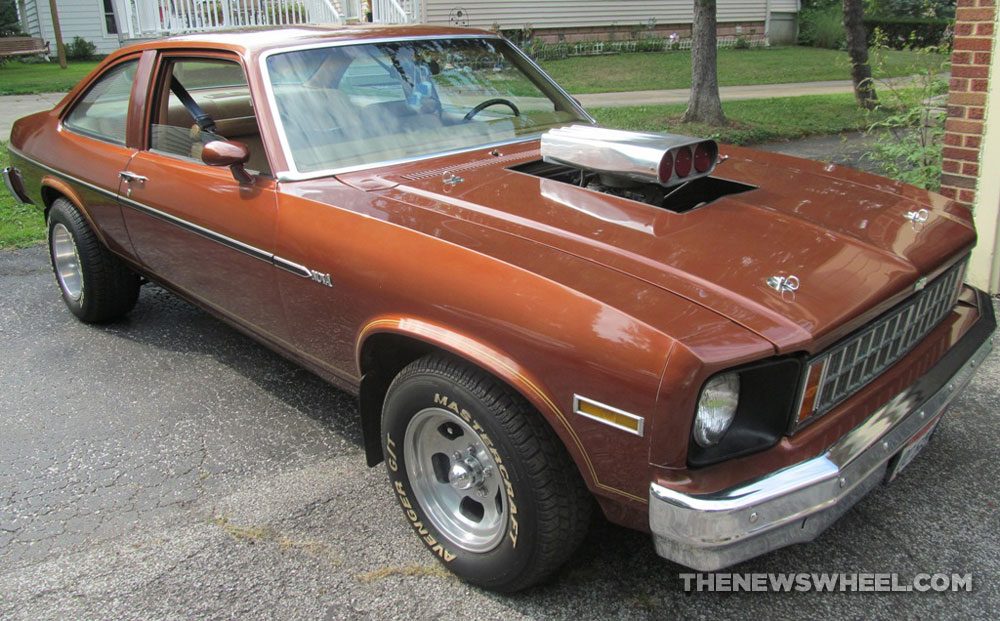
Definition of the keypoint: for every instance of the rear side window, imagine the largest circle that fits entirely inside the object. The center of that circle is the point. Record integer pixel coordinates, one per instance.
(103, 111)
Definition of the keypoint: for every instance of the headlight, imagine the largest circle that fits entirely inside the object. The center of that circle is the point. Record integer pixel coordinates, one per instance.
(716, 409)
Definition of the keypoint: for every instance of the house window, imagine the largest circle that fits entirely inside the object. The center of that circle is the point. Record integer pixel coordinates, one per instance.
(110, 26)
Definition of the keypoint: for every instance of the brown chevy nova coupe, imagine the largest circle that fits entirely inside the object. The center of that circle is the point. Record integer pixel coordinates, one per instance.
(724, 348)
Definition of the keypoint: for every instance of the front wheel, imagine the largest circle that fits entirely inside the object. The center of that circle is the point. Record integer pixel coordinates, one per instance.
(486, 485)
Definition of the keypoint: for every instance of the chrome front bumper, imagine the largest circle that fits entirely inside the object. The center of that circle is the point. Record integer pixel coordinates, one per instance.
(794, 505)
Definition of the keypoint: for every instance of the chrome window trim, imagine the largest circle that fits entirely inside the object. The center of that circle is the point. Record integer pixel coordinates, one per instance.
(293, 174)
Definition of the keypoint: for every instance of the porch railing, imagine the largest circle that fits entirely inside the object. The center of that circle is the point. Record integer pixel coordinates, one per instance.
(395, 11)
(152, 18)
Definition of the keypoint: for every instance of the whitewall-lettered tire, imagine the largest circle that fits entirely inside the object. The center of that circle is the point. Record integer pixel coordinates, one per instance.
(481, 478)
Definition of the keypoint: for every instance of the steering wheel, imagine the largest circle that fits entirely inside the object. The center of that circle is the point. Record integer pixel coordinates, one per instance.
(491, 102)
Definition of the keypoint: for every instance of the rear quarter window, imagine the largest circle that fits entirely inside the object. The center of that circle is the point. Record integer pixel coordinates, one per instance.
(102, 112)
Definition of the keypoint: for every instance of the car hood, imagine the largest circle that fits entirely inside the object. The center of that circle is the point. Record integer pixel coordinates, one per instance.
(844, 234)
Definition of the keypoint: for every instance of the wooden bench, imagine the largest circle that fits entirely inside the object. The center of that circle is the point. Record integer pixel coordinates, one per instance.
(23, 46)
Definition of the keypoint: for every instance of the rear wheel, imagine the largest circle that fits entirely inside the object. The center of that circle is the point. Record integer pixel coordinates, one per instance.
(96, 285)
(483, 481)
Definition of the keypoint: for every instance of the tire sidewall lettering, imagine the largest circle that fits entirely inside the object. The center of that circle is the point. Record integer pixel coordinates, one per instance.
(403, 497)
(395, 461)
(445, 401)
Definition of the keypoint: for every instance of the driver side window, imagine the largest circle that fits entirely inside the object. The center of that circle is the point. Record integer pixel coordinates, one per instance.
(217, 88)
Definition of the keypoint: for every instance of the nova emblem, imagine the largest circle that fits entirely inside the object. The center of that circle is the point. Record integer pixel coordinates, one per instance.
(920, 284)
(783, 284)
(320, 277)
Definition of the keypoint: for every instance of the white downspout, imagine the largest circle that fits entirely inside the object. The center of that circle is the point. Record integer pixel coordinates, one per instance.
(767, 20)
(984, 266)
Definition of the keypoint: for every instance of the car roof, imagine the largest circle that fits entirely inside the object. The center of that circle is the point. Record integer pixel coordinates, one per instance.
(255, 40)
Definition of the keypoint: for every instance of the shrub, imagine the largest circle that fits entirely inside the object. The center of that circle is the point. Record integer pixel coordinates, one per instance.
(9, 25)
(80, 49)
(908, 32)
(908, 139)
(942, 9)
(822, 27)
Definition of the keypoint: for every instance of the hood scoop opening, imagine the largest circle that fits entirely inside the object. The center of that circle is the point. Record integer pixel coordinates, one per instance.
(664, 170)
(681, 198)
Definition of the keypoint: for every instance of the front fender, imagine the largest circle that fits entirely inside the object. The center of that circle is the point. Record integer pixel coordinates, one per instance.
(492, 360)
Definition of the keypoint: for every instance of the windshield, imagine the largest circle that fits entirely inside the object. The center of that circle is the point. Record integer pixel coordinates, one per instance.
(352, 105)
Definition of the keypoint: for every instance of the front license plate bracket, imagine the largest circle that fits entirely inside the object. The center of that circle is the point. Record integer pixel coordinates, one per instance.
(908, 453)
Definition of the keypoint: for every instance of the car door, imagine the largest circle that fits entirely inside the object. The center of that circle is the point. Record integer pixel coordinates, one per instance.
(194, 226)
(93, 148)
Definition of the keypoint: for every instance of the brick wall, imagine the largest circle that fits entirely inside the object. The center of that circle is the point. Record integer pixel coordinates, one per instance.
(970, 68)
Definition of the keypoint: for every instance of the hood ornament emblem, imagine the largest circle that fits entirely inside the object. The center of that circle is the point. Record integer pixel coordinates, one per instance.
(917, 217)
(783, 284)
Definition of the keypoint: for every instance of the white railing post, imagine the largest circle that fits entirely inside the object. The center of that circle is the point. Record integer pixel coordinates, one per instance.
(123, 8)
(143, 18)
(387, 12)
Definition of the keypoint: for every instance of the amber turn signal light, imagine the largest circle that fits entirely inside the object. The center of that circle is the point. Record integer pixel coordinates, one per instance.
(608, 415)
(811, 392)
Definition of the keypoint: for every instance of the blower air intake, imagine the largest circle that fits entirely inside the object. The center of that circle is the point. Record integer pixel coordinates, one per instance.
(623, 158)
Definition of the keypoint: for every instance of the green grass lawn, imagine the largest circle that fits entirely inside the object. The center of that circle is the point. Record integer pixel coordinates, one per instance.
(591, 74)
(666, 70)
(751, 121)
(18, 78)
(20, 225)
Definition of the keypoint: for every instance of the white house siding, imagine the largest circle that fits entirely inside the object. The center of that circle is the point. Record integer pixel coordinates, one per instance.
(29, 19)
(77, 18)
(785, 6)
(591, 13)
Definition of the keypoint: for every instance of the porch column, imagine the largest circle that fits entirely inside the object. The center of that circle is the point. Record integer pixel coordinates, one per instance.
(148, 16)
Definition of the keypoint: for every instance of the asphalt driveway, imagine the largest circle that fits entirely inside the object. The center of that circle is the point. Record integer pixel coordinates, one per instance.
(168, 467)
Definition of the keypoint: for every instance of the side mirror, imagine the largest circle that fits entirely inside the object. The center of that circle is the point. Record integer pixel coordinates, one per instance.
(231, 154)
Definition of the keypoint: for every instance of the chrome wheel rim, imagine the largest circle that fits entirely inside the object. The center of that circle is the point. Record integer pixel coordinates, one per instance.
(456, 480)
(66, 260)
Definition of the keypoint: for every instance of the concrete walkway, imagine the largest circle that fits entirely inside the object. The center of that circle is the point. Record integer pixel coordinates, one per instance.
(13, 107)
(728, 93)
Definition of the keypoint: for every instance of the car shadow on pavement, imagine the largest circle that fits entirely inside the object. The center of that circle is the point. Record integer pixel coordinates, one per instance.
(165, 321)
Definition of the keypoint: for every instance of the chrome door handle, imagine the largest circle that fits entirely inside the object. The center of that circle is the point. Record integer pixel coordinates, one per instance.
(129, 177)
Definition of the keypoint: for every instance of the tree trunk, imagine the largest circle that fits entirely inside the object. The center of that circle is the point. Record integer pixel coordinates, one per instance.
(857, 48)
(704, 105)
(60, 48)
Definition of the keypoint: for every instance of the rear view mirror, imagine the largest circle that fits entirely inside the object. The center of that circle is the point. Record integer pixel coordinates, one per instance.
(231, 154)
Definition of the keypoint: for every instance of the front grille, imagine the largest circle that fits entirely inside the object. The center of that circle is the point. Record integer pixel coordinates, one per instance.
(862, 357)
